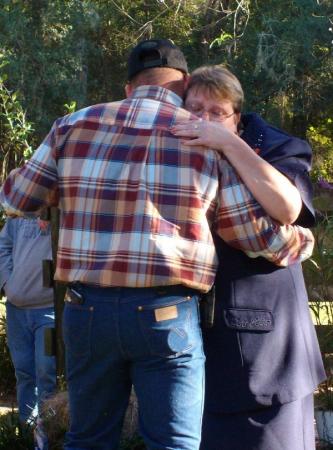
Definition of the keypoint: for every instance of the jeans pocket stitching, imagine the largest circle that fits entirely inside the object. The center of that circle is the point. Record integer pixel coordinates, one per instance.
(148, 334)
(183, 299)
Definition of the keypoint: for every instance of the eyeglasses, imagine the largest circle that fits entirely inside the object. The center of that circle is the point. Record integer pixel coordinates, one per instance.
(214, 114)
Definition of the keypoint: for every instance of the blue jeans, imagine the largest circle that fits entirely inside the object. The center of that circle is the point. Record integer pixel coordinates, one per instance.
(148, 337)
(35, 372)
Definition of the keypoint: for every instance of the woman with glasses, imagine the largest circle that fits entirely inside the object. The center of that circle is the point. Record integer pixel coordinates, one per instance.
(263, 359)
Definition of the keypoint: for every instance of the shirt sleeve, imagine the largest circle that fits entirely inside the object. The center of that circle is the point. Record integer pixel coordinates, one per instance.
(6, 252)
(242, 223)
(34, 185)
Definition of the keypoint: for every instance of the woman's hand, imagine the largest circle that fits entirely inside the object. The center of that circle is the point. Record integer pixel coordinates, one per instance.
(200, 132)
(276, 194)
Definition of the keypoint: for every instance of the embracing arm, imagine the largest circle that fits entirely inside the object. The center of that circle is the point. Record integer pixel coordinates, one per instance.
(242, 223)
(273, 190)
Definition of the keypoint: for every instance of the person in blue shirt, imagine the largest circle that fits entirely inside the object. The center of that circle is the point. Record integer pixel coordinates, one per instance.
(24, 243)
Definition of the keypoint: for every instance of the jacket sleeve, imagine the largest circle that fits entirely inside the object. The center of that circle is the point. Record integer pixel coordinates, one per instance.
(293, 157)
(6, 252)
(242, 223)
(288, 154)
(293, 168)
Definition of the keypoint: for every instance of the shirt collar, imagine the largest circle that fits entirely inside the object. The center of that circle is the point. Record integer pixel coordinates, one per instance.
(157, 93)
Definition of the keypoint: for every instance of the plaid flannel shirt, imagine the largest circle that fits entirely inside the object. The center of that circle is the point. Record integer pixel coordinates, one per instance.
(136, 205)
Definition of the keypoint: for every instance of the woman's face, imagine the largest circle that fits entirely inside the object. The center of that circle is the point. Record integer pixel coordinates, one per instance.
(202, 104)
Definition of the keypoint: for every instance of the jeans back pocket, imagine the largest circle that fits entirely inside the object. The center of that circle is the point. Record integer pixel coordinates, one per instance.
(170, 328)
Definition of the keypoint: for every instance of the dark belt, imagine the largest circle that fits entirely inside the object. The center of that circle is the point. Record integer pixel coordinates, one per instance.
(160, 290)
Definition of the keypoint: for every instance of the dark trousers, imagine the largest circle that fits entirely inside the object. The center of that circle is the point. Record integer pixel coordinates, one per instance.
(282, 427)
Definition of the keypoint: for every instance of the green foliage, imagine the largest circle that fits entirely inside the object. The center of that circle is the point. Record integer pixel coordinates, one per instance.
(221, 40)
(47, 45)
(282, 53)
(59, 52)
(318, 273)
(321, 138)
(318, 269)
(70, 107)
(76, 50)
(14, 131)
(14, 434)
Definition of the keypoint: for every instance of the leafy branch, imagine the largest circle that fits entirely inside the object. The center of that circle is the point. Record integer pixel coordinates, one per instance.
(14, 131)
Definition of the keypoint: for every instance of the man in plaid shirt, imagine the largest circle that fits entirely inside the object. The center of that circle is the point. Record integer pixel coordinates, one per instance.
(135, 246)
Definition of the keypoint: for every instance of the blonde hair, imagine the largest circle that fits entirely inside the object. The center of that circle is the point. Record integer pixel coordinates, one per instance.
(218, 81)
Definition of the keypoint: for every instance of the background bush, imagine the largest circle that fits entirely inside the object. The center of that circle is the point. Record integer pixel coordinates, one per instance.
(13, 434)
(7, 378)
(74, 52)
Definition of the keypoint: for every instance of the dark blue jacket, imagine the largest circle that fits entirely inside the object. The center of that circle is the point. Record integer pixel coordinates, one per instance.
(263, 348)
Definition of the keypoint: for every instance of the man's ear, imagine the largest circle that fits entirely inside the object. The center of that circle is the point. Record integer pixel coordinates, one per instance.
(128, 89)
(186, 80)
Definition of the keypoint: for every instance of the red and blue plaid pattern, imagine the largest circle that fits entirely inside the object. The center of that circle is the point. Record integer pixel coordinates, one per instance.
(136, 205)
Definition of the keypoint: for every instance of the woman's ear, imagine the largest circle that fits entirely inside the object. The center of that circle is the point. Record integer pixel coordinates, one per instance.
(237, 119)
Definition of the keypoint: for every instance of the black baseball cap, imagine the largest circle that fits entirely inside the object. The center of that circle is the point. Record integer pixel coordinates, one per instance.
(155, 53)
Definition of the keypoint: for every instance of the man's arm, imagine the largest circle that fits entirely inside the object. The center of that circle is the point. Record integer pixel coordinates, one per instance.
(6, 252)
(32, 186)
(243, 224)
